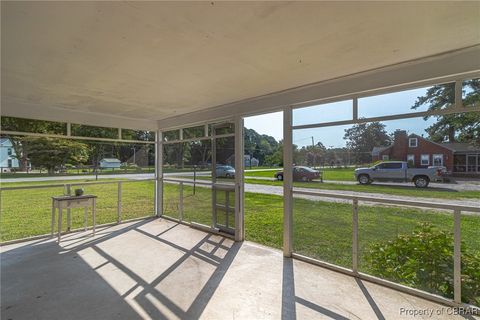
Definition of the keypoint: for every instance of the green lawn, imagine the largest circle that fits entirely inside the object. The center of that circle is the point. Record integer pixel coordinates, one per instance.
(27, 213)
(321, 229)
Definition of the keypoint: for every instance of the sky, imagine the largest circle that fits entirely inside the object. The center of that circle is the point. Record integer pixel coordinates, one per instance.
(380, 105)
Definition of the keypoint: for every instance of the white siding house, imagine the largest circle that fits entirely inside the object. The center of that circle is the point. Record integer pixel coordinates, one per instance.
(110, 163)
(8, 159)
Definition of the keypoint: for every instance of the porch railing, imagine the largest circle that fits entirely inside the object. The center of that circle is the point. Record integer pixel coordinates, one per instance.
(455, 209)
(119, 191)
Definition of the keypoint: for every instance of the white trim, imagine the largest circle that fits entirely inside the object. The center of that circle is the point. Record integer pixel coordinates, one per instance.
(410, 144)
(48, 113)
(60, 136)
(437, 155)
(158, 173)
(287, 183)
(239, 179)
(412, 156)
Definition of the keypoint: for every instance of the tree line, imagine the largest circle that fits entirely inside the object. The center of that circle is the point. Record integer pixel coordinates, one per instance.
(360, 139)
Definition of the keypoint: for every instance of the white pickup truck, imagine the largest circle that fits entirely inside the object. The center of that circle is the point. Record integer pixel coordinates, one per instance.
(398, 171)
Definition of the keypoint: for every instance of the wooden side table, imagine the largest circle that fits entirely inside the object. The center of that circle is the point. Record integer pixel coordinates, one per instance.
(69, 202)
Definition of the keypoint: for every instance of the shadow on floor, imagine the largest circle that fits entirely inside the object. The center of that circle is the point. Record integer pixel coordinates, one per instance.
(39, 277)
(290, 299)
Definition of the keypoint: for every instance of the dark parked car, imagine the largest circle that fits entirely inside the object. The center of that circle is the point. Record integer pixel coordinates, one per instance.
(300, 173)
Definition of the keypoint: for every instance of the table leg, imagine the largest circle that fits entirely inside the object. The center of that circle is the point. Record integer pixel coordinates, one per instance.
(52, 224)
(86, 219)
(94, 214)
(59, 224)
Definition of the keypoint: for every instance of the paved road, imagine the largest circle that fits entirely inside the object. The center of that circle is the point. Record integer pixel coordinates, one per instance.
(278, 190)
(464, 185)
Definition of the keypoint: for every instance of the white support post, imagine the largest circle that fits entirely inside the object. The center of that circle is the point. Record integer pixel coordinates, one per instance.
(458, 95)
(69, 129)
(287, 183)
(355, 236)
(158, 173)
(180, 202)
(119, 202)
(239, 187)
(457, 256)
(355, 109)
(69, 212)
(120, 133)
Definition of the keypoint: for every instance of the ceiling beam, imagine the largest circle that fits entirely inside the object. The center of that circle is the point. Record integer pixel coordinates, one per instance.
(421, 72)
(33, 111)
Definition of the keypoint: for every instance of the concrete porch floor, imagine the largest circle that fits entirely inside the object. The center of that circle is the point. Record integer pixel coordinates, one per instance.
(158, 269)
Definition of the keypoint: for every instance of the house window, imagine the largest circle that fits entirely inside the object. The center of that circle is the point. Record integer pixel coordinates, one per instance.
(9, 151)
(9, 163)
(413, 142)
(411, 160)
(438, 160)
(385, 157)
(425, 159)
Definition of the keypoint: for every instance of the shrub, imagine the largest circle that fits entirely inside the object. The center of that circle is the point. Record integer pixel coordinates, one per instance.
(424, 260)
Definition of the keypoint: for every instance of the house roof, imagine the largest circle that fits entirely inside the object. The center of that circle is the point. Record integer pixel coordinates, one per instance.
(452, 146)
(462, 147)
(376, 150)
(110, 160)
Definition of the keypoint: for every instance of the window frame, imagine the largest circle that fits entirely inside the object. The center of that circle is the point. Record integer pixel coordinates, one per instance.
(411, 157)
(410, 142)
(436, 155)
(422, 156)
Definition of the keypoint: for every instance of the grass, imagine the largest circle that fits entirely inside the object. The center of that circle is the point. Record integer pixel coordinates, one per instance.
(27, 213)
(321, 229)
(375, 188)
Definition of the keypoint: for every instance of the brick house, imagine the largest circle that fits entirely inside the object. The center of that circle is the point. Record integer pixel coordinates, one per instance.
(458, 158)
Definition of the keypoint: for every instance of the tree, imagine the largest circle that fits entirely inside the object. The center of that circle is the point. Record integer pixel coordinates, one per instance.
(460, 127)
(19, 143)
(54, 153)
(258, 145)
(363, 137)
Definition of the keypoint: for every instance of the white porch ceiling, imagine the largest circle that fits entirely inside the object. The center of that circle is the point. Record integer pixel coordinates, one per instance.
(155, 60)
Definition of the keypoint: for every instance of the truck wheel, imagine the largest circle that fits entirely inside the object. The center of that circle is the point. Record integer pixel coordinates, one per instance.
(364, 179)
(280, 177)
(421, 182)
